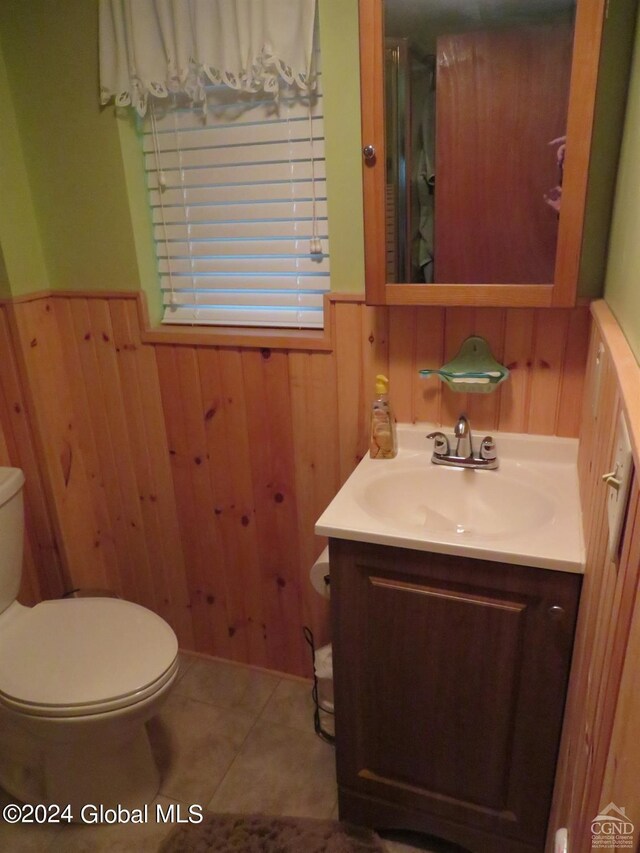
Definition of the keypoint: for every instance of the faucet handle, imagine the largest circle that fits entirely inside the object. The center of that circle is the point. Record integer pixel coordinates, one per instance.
(441, 443)
(488, 448)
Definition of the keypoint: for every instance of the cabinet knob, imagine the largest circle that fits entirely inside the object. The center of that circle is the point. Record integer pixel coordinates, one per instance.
(369, 153)
(556, 612)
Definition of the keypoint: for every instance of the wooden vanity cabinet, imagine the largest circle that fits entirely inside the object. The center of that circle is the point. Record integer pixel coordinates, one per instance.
(450, 679)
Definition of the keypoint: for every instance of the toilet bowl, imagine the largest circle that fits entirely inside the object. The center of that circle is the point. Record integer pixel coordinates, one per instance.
(79, 678)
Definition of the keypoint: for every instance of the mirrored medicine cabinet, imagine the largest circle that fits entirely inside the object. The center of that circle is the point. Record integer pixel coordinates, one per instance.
(477, 120)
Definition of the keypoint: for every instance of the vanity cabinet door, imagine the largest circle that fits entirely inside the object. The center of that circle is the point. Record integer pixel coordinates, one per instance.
(450, 680)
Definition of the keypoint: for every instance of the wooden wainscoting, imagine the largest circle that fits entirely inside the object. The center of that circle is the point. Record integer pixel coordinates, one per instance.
(188, 477)
(595, 767)
(545, 349)
(42, 568)
(96, 408)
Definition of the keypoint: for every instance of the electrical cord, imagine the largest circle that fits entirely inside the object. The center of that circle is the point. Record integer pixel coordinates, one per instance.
(317, 724)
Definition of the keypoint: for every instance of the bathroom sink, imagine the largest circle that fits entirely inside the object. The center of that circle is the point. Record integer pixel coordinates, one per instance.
(526, 512)
(453, 500)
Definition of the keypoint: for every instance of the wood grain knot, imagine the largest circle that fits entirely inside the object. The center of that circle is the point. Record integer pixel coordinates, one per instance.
(244, 521)
(278, 497)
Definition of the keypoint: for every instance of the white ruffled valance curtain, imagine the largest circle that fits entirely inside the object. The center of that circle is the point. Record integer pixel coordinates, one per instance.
(158, 47)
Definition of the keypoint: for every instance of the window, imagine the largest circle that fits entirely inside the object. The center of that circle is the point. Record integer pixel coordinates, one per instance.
(239, 206)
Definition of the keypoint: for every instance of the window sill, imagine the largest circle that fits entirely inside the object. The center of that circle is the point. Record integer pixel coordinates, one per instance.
(232, 336)
(221, 336)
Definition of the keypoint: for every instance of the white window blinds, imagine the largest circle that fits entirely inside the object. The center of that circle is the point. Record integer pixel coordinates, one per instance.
(239, 208)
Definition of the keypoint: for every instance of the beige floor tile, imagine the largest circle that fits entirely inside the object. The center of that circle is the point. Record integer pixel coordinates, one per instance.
(279, 770)
(185, 662)
(24, 837)
(123, 837)
(290, 705)
(194, 744)
(227, 686)
(27, 838)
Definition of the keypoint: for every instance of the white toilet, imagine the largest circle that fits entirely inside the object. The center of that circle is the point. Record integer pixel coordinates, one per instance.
(79, 678)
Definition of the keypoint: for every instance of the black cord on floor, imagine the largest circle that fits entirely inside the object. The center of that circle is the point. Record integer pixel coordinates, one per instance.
(317, 724)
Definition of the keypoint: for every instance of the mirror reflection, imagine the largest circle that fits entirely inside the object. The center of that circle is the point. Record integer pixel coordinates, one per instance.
(476, 96)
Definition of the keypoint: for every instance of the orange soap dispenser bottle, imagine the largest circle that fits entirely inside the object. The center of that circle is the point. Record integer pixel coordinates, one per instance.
(383, 440)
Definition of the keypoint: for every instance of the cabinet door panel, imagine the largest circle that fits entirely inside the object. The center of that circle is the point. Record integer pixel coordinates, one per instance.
(427, 652)
(450, 677)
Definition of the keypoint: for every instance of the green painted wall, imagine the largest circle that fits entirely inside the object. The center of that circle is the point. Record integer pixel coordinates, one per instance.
(72, 173)
(5, 290)
(70, 147)
(611, 98)
(622, 284)
(341, 81)
(142, 228)
(84, 164)
(22, 268)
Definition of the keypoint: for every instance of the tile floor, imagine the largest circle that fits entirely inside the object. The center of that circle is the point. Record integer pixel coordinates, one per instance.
(230, 739)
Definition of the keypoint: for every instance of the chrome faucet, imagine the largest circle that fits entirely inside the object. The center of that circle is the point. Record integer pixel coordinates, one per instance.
(462, 431)
(464, 456)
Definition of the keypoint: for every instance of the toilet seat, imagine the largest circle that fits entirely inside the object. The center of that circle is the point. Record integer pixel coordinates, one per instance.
(83, 656)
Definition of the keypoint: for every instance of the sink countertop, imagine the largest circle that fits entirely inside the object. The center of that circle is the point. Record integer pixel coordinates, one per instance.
(526, 512)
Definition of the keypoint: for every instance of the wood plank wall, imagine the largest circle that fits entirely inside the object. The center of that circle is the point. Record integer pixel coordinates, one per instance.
(42, 567)
(188, 478)
(598, 700)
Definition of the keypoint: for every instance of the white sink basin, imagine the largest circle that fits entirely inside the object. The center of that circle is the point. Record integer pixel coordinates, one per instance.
(460, 502)
(527, 511)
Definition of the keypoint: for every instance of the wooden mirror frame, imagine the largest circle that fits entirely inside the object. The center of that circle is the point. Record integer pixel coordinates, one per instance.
(589, 22)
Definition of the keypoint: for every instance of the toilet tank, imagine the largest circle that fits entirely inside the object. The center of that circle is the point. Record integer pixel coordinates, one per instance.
(11, 534)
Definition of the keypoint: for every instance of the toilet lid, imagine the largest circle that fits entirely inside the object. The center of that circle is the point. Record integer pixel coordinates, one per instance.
(83, 652)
